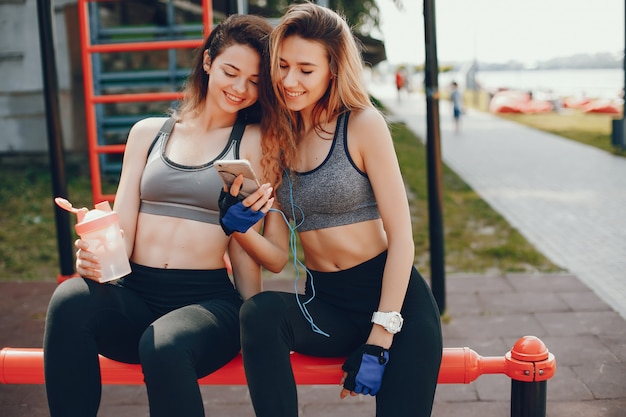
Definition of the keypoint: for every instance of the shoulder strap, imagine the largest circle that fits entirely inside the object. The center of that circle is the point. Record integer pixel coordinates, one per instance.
(343, 119)
(237, 133)
(342, 129)
(166, 129)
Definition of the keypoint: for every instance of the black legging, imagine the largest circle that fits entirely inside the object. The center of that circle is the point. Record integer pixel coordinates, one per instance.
(180, 325)
(272, 325)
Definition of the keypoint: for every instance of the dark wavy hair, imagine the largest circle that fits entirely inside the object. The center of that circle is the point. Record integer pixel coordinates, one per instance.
(248, 30)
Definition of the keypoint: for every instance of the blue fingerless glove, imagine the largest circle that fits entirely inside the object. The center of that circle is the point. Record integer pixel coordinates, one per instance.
(365, 368)
(234, 216)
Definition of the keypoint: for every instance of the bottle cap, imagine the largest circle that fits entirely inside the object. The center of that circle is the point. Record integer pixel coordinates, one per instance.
(102, 216)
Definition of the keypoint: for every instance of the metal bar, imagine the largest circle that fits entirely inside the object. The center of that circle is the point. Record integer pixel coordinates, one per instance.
(55, 137)
(117, 31)
(25, 366)
(528, 361)
(528, 399)
(144, 46)
(433, 155)
(109, 149)
(90, 111)
(127, 98)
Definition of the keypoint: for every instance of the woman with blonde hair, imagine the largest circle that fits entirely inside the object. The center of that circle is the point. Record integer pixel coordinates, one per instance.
(343, 192)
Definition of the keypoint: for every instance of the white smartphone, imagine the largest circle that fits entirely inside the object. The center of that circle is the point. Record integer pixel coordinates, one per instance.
(229, 169)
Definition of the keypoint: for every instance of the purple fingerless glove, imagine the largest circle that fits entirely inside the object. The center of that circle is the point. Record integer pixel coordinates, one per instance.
(234, 216)
(365, 368)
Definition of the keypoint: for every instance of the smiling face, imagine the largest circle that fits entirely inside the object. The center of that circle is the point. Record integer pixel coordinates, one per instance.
(304, 72)
(233, 78)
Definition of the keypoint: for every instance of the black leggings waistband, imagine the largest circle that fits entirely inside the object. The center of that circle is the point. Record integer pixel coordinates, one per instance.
(355, 289)
(167, 289)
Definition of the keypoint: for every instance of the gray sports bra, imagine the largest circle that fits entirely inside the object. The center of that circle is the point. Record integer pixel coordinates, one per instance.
(335, 193)
(189, 192)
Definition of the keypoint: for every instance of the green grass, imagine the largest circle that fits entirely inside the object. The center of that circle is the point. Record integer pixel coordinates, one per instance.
(28, 242)
(592, 129)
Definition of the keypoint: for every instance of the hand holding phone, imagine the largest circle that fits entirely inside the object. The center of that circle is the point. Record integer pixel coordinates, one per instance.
(229, 169)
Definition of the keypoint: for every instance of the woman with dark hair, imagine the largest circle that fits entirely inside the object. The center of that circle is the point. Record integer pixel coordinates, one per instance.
(177, 312)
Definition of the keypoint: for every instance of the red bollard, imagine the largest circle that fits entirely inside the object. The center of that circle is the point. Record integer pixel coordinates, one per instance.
(531, 365)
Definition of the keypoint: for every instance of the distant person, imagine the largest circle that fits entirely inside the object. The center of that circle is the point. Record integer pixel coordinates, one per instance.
(399, 82)
(407, 84)
(457, 106)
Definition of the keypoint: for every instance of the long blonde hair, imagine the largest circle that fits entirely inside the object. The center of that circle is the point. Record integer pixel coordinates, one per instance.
(346, 91)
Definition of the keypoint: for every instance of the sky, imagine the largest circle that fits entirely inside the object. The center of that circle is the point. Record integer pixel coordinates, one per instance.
(502, 30)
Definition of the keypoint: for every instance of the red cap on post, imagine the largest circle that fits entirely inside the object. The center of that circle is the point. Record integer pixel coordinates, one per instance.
(529, 360)
(529, 349)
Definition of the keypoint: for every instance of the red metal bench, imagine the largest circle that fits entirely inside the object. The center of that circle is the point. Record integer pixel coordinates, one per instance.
(528, 364)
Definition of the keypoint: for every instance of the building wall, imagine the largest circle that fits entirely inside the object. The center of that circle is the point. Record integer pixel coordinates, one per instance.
(22, 105)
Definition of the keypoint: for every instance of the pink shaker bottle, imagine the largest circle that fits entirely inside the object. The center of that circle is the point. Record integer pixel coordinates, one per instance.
(101, 229)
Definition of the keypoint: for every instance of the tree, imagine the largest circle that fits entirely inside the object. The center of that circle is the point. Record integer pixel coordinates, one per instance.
(362, 15)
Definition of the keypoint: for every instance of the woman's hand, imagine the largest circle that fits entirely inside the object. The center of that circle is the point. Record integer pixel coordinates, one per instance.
(378, 337)
(87, 263)
(239, 214)
(259, 200)
(363, 370)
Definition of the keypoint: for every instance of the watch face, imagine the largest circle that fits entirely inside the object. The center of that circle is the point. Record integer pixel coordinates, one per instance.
(395, 322)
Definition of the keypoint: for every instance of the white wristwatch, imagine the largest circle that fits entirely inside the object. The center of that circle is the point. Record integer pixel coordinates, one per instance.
(392, 321)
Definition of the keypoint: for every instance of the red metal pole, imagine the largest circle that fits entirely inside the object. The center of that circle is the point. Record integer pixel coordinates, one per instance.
(90, 111)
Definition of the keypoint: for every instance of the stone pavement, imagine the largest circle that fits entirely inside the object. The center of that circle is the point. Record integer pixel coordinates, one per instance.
(576, 314)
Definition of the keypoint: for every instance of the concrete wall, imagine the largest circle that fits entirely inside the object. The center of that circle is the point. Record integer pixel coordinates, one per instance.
(22, 106)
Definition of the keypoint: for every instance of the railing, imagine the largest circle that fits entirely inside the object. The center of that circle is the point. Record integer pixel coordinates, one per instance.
(120, 40)
(529, 364)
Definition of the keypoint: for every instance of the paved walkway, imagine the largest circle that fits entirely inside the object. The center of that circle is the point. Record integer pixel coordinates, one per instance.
(575, 316)
(566, 198)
